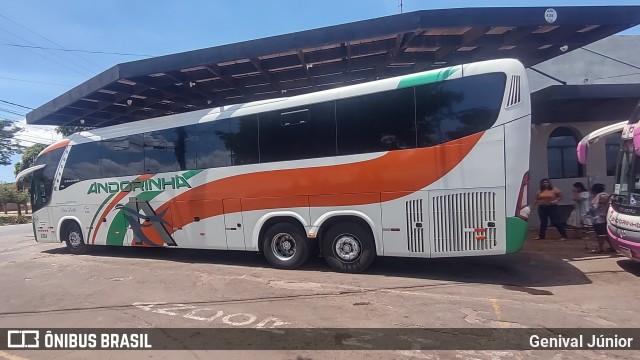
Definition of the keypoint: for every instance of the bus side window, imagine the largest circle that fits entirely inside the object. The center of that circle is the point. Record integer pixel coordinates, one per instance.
(164, 150)
(83, 163)
(122, 156)
(298, 133)
(456, 108)
(376, 122)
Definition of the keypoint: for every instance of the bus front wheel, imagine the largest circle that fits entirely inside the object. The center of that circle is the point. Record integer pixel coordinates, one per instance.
(74, 240)
(348, 247)
(285, 246)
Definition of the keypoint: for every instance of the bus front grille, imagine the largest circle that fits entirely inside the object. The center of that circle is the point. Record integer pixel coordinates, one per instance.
(464, 222)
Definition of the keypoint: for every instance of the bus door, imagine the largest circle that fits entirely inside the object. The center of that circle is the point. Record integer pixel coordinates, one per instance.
(194, 229)
(233, 224)
(40, 197)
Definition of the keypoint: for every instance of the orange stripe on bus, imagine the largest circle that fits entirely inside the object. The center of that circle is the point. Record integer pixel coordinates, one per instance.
(276, 202)
(152, 235)
(344, 199)
(56, 145)
(397, 171)
(116, 199)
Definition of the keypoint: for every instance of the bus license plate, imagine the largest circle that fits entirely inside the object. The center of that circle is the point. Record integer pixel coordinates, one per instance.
(624, 251)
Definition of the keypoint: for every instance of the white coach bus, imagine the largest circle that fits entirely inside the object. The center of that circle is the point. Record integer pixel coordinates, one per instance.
(433, 164)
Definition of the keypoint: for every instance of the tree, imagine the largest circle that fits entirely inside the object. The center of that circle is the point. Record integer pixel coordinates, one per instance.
(9, 194)
(69, 130)
(8, 147)
(28, 157)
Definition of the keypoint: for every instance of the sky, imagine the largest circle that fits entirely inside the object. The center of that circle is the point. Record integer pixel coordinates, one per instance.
(136, 30)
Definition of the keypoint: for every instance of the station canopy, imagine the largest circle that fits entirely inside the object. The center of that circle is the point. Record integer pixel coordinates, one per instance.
(314, 60)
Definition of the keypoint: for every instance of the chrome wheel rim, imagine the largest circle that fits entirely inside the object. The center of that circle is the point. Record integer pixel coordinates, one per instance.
(75, 239)
(283, 246)
(347, 247)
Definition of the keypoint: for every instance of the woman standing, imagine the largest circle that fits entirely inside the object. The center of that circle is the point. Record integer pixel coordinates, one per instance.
(577, 220)
(547, 200)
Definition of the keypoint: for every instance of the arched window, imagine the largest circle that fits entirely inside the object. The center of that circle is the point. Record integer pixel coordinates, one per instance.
(562, 158)
(612, 149)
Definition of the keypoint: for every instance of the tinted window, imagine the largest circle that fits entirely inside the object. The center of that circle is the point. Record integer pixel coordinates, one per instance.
(223, 142)
(242, 140)
(83, 163)
(164, 150)
(452, 109)
(612, 150)
(376, 122)
(562, 159)
(206, 147)
(122, 156)
(42, 180)
(635, 115)
(298, 133)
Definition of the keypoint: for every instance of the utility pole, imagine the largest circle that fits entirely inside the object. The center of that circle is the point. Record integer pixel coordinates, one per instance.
(400, 6)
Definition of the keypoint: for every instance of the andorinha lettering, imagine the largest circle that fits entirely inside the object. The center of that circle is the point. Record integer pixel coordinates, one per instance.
(111, 187)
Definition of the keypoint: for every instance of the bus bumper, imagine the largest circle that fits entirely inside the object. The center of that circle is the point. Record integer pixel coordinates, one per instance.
(627, 248)
(517, 230)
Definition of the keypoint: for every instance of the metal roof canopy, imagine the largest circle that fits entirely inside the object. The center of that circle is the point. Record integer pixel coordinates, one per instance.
(329, 57)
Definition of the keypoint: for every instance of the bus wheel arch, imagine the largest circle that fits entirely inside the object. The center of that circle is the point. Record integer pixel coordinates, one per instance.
(347, 243)
(71, 234)
(284, 243)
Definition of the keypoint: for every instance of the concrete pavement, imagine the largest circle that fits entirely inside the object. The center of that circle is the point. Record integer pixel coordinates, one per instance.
(549, 284)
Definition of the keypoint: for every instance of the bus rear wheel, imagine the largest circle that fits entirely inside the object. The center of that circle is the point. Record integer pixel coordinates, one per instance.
(73, 239)
(348, 247)
(285, 246)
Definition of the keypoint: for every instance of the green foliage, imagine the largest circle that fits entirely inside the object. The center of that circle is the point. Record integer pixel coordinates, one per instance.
(9, 194)
(69, 130)
(28, 157)
(12, 220)
(8, 148)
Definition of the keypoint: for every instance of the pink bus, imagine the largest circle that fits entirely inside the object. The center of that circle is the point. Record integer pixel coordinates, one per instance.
(623, 216)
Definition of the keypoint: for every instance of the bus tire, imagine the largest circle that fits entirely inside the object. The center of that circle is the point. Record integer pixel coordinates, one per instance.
(285, 246)
(348, 247)
(74, 240)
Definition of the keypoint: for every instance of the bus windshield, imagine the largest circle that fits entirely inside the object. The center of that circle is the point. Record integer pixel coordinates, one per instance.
(42, 179)
(627, 186)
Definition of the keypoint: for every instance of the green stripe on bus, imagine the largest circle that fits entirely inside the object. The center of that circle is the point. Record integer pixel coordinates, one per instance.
(517, 230)
(427, 78)
(98, 212)
(118, 227)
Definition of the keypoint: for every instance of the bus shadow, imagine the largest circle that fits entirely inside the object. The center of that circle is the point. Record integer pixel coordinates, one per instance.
(517, 272)
(630, 266)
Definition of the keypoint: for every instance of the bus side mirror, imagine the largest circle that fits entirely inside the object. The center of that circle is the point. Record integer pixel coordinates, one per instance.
(582, 152)
(636, 140)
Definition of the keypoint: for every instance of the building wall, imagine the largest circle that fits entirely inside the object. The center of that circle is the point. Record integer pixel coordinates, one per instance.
(581, 66)
(594, 171)
(621, 65)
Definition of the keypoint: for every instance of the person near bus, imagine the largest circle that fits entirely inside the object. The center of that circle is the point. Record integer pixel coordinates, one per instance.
(547, 200)
(598, 212)
(578, 219)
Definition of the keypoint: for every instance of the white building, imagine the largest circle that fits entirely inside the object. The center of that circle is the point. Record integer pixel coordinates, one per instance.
(572, 95)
